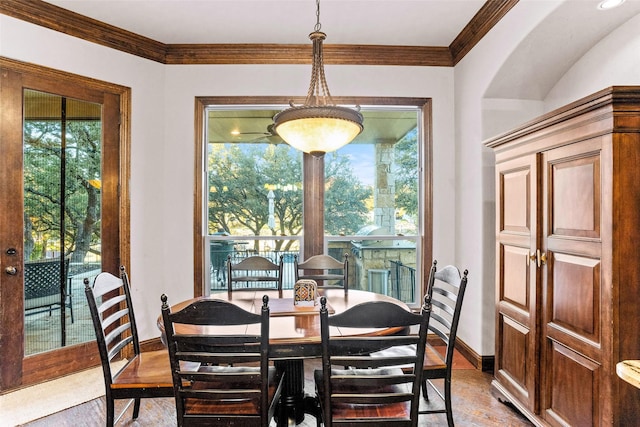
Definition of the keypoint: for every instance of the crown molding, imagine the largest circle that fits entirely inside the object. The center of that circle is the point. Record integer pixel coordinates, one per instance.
(301, 54)
(65, 21)
(483, 21)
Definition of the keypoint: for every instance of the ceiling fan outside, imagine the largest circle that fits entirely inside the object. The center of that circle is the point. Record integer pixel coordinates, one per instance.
(269, 137)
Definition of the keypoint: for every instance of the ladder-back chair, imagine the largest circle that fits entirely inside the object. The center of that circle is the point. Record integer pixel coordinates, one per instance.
(233, 383)
(128, 372)
(355, 387)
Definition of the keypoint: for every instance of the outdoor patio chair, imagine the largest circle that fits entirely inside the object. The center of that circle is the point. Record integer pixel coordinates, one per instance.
(42, 290)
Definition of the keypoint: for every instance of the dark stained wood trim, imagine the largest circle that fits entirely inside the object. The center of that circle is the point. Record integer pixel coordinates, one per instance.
(56, 18)
(480, 362)
(301, 54)
(44, 366)
(65, 21)
(199, 217)
(64, 361)
(483, 21)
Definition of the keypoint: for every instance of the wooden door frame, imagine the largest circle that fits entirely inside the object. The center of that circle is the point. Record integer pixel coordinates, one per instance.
(16, 370)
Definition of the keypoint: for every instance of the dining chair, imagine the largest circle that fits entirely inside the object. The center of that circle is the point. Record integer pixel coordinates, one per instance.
(446, 292)
(233, 383)
(128, 372)
(354, 387)
(256, 272)
(327, 271)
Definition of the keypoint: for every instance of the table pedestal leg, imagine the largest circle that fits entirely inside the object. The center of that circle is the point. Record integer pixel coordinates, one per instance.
(293, 399)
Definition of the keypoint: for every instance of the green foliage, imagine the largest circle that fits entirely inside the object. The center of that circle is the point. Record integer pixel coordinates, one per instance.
(345, 197)
(43, 199)
(241, 176)
(406, 160)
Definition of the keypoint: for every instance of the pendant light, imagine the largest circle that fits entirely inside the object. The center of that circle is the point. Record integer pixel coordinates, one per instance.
(318, 126)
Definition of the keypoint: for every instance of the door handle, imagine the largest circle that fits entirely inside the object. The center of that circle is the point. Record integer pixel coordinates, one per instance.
(541, 258)
(11, 271)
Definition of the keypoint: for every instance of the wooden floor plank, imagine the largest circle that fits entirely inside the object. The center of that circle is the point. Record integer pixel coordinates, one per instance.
(473, 404)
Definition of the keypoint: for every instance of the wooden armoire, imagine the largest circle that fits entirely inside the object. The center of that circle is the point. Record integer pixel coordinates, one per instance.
(568, 262)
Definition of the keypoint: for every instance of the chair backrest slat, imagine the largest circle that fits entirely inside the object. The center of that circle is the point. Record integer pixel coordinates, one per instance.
(113, 301)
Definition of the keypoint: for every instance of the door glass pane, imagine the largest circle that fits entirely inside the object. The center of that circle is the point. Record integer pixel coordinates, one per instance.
(62, 164)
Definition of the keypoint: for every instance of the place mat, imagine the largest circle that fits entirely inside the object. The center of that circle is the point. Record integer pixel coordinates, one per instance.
(285, 307)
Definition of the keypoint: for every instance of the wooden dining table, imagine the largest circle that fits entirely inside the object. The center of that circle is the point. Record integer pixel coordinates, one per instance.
(294, 334)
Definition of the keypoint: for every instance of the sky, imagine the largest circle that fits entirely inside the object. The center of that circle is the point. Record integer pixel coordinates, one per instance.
(361, 159)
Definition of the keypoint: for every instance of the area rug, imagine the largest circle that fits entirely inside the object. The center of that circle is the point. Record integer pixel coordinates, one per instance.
(34, 402)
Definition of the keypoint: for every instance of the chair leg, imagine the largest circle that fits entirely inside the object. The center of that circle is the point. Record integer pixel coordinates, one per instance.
(447, 401)
(425, 390)
(110, 411)
(136, 408)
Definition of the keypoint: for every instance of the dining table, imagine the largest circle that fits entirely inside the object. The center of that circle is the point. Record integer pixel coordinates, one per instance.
(294, 334)
(629, 370)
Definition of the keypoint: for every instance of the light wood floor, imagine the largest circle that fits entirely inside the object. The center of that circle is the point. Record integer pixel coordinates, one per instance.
(473, 403)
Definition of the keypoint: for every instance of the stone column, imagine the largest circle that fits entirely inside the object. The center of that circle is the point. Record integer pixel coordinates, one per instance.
(385, 187)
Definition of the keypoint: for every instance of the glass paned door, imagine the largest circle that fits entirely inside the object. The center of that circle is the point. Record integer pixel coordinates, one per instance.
(62, 245)
(64, 214)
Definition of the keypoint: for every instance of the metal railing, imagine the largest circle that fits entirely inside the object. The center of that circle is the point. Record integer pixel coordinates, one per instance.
(402, 281)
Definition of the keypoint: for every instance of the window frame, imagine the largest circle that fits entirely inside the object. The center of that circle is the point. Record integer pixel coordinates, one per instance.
(201, 237)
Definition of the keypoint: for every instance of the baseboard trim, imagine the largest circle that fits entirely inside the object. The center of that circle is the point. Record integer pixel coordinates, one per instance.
(152, 344)
(485, 363)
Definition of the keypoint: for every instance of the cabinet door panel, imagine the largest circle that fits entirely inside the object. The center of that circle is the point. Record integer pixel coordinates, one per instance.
(513, 368)
(516, 295)
(572, 388)
(575, 297)
(572, 191)
(575, 207)
(515, 287)
(572, 285)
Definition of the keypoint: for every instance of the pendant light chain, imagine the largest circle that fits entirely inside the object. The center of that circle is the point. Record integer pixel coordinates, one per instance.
(318, 26)
(318, 126)
(318, 93)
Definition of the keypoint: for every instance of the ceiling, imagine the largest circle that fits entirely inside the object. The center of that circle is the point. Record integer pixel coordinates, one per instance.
(254, 125)
(369, 32)
(375, 22)
(346, 22)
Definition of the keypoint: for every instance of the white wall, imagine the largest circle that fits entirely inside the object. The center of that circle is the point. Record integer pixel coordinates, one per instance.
(162, 157)
(163, 138)
(475, 193)
(614, 61)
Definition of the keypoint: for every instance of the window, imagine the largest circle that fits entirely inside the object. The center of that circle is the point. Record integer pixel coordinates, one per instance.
(374, 208)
